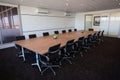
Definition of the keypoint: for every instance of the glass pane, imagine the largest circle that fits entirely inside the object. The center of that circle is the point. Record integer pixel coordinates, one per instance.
(16, 22)
(0, 22)
(9, 24)
(8, 35)
(0, 30)
(6, 23)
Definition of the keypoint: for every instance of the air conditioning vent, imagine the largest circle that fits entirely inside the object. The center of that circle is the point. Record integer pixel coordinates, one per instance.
(43, 11)
(67, 14)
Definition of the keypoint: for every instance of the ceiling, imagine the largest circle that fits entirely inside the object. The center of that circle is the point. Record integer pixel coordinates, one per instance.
(69, 5)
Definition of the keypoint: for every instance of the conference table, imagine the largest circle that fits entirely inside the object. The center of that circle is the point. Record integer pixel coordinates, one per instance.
(40, 45)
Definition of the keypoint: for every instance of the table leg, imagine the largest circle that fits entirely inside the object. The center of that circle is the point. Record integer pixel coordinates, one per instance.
(37, 62)
(23, 54)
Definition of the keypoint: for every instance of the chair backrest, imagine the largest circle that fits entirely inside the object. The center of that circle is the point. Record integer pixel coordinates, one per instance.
(70, 41)
(90, 29)
(54, 53)
(32, 36)
(56, 32)
(75, 29)
(46, 34)
(69, 45)
(69, 30)
(94, 34)
(89, 37)
(85, 41)
(20, 38)
(80, 42)
(102, 33)
(81, 38)
(98, 34)
(17, 39)
(63, 31)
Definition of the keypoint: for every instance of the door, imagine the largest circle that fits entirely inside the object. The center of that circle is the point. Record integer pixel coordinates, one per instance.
(88, 21)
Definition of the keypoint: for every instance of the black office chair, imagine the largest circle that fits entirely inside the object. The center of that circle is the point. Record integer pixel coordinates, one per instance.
(90, 29)
(46, 34)
(69, 30)
(81, 48)
(94, 38)
(98, 37)
(69, 48)
(17, 39)
(75, 29)
(86, 44)
(56, 32)
(52, 58)
(89, 40)
(63, 31)
(101, 36)
(98, 34)
(19, 48)
(32, 36)
(20, 38)
(68, 52)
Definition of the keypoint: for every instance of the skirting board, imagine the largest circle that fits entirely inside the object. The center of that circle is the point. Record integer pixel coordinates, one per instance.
(7, 45)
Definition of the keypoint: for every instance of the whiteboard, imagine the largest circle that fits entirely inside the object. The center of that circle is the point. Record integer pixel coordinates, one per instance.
(36, 22)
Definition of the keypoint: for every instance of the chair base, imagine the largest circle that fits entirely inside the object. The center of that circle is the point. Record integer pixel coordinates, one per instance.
(51, 68)
(66, 60)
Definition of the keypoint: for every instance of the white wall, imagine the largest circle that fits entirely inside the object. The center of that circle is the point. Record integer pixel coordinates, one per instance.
(114, 27)
(111, 27)
(32, 22)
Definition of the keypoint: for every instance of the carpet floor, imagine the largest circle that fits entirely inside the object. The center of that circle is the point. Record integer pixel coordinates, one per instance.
(99, 63)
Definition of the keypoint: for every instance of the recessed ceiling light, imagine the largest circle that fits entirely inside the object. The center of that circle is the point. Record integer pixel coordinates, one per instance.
(81, 4)
(67, 4)
(67, 0)
(119, 3)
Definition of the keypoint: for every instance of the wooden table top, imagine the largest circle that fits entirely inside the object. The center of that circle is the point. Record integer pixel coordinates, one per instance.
(42, 44)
